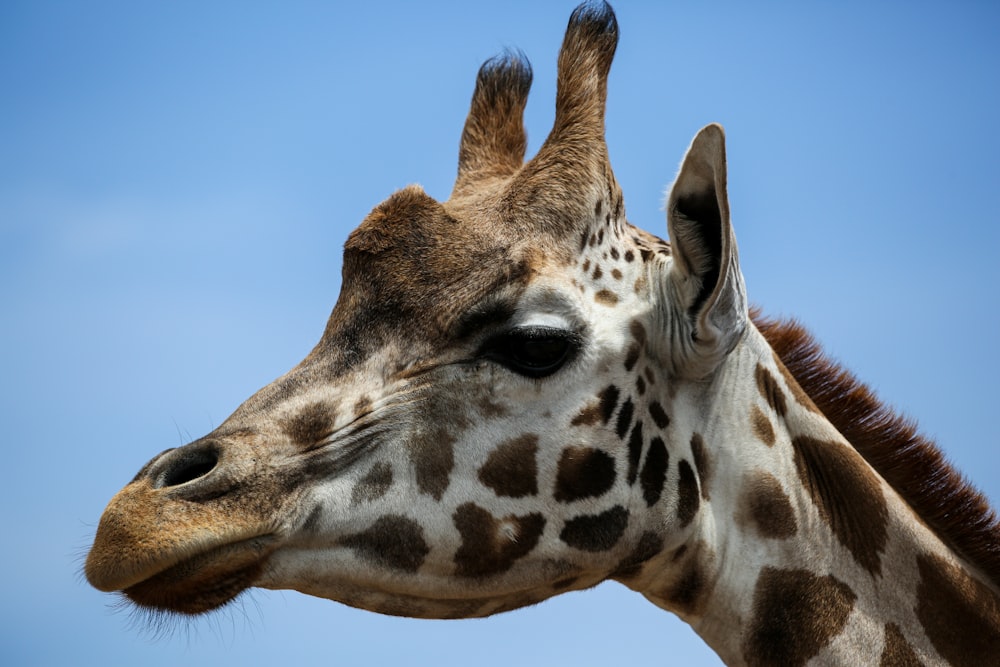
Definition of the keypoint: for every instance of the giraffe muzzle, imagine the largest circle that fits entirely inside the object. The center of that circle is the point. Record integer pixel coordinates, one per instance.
(190, 532)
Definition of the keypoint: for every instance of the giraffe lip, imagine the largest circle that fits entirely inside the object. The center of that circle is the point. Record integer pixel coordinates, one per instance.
(206, 580)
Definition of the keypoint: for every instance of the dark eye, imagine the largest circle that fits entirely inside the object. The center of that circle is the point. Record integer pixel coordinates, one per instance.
(535, 352)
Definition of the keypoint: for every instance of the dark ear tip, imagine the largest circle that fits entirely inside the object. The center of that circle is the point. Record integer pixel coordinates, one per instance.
(595, 16)
(508, 69)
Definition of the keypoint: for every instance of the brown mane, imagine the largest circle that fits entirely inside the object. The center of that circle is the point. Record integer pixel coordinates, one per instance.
(913, 465)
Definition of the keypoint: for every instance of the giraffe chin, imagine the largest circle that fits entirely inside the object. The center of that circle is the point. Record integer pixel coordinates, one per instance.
(204, 582)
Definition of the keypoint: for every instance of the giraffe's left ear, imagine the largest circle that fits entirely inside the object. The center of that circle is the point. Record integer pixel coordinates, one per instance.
(705, 280)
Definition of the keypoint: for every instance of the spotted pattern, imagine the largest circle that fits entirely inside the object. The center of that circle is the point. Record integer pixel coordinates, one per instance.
(649, 545)
(511, 469)
(761, 425)
(770, 390)
(373, 485)
(768, 509)
(606, 297)
(795, 614)
(687, 493)
(960, 615)
(654, 471)
(635, 443)
(394, 542)
(583, 472)
(659, 416)
(596, 532)
(624, 418)
(310, 426)
(897, 652)
(685, 594)
(491, 545)
(838, 482)
(433, 457)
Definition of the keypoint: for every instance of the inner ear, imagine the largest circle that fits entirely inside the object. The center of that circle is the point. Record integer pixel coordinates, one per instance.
(697, 236)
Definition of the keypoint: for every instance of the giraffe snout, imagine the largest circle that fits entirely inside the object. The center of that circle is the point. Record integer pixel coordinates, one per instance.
(192, 530)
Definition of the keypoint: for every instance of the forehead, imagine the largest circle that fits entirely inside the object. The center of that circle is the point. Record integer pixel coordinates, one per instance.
(416, 269)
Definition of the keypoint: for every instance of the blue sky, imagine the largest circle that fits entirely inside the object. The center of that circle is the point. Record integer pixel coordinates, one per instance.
(177, 180)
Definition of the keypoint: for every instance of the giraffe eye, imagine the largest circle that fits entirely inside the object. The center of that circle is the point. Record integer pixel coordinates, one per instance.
(534, 352)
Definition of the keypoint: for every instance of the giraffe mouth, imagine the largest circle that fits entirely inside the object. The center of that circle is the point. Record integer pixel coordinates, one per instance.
(205, 581)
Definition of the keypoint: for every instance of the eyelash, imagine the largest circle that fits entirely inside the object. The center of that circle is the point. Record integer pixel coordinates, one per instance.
(533, 351)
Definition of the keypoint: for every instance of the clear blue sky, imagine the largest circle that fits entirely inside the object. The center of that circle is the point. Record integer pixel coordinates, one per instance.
(177, 180)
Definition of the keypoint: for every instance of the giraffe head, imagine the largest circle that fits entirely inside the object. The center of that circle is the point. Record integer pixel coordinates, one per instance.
(485, 421)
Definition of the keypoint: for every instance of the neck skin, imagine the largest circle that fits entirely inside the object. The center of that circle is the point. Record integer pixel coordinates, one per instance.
(799, 549)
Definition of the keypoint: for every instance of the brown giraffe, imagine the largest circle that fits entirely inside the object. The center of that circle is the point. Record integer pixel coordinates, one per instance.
(520, 394)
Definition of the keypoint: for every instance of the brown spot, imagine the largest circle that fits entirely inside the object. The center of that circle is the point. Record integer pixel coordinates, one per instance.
(586, 265)
(960, 615)
(684, 594)
(638, 331)
(433, 458)
(640, 285)
(687, 493)
(373, 485)
(702, 464)
(634, 452)
(511, 469)
(770, 390)
(310, 426)
(955, 510)
(768, 507)
(614, 253)
(762, 426)
(795, 614)
(660, 417)
(616, 274)
(491, 545)
(632, 356)
(606, 297)
(624, 418)
(654, 472)
(649, 545)
(609, 401)
(595, 532)
(489, 408)
(897, 652)
(629, 255)
(393, 541)
(584, 472)
(596, 275)
(840, 484)
(588, 416)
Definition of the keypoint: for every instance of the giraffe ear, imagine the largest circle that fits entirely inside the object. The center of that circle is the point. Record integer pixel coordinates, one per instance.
(705, 279)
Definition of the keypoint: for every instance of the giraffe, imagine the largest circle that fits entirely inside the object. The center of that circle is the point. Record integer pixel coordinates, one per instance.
(519, 394)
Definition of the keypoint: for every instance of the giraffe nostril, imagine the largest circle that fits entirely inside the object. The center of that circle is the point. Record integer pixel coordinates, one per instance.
(186, 465)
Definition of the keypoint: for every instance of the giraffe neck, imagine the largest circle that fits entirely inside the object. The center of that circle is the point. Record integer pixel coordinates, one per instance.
(799, 549)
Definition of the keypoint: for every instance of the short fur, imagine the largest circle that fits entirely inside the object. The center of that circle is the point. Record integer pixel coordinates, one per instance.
(913, 465)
